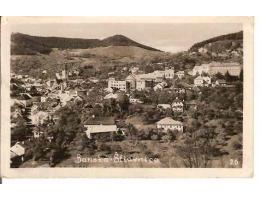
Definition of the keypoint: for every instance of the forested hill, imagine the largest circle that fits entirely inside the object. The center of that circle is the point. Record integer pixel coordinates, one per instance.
(22, 44)
(232, 40)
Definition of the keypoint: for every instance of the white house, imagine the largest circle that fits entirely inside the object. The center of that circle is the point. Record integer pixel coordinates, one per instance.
(180, 74)
(93, 80)
(143, 81)
(111, 96)
(160, 86)
(199, 69)
(43, 99)
(233, 68)
(202, 81)
(135, 100)
(179, 90)
(18, 150)
(134, 70)
(220, 82)
(202, 50)
(92, 129)
(169, 124)
(177, 105)
(121, 85)
(164, 106)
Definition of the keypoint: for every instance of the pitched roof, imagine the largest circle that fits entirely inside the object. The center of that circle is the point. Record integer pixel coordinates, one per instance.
(111, 96)
(221, 81)
(18, 149)
(100, 120)
(100, 128)
(168, 120)
(177, 100)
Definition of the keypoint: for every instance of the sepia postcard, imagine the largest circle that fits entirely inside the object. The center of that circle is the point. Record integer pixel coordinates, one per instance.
(126, 97)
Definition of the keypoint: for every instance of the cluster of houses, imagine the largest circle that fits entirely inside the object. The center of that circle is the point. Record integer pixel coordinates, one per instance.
(225, 54)
(102, 128)
(155, 80)
(214, 68)
(142, 81)
(57, 93)
(176, 106)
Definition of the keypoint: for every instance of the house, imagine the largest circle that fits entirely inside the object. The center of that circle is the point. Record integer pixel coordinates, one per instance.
(121, 85)
(179, 90)
(111, 96)
(135, 100)
(177, 105)
(192, 105)
(164, 106)
(220, 82)
(26, 96)
(144, 81)
(93, 80)
(58, 77)
(81, 92)
(65, 97)
(77, 99)
(199, 69)
(233, 68)
(180, 74)
(218, 67)
(134, 70)
(98, 128)
(160, 86)
(18, 150)
(16, 113)
(39, 117)
(202, 50)
(168, 73)
(109, 90)
(202, 81)
(169, 124)
(71, 92)
(43, 98)
(131, 80)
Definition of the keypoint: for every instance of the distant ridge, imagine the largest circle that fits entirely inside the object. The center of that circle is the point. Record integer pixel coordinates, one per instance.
(232, 37)
(22, 44)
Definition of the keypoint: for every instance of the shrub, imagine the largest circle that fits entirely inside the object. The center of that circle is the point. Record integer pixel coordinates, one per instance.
(236, 145)
(154, 137)
(116, 148)
(104, 147)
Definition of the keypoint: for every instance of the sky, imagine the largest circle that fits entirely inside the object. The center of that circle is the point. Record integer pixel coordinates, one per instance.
(171, 37)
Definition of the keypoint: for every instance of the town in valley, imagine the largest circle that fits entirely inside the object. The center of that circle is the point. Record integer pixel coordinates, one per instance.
(101, 98)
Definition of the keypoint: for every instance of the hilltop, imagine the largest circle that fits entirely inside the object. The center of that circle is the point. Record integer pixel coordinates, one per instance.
(226, 42)
(22, 44)
(227, 47)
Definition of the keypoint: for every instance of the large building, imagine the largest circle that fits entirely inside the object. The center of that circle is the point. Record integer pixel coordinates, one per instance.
(120, 85)
(233, 68)
(144, 81)
(218, 67)
(199, 69)
(100, 127)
